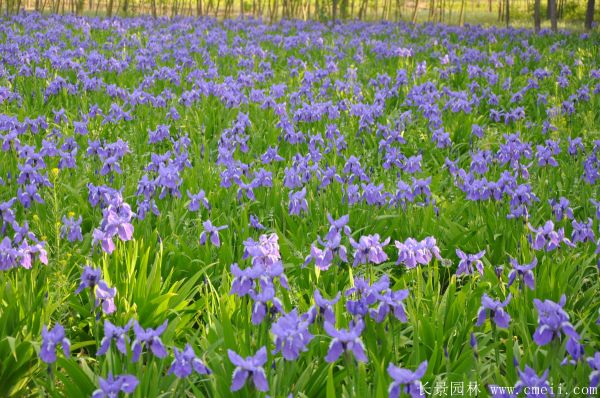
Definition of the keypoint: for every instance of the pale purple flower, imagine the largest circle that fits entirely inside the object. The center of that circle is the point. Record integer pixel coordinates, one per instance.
(532, 385)
(366, 295)
(524, 272)
(111, 387)
(468, 261)
(89, 278)
(71, 228)
(211, 231)
(337, 226)
(369, 249)
(243, 280)
(255, 223)
(552, 322)
(582, 231)
(252, 367)
(186, 362)
(390, 301)
(119, 334)
(346, 340)
(150, 338)
(298, 203)
(105, 240)
(105, 296)
(495, 310)
(291, 335)
(50, 340)
(412, 252)
(322, 258)
(323, 307)
(594, 363)
(264, 301)
(407, 381)
(196, 200)
(547, 238)
(561, 208)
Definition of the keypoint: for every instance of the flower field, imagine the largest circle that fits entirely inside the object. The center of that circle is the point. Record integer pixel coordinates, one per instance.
(193, 207)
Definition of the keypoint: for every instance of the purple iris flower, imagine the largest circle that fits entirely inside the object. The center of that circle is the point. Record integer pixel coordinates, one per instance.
(271, 155)
(594, 363)
(255, 223)
(264, 252)
(211, 231)
(29, 194)
(196, 200)
(547, 238)
(119, 224)
(406, 381)
(89, 278)
(150, 338)
(561, 208)
(532, 384)
(105, 296)
(346, 340)
(50, 340)
(412, 252)
(105, 240)
(71, 228)
(495, 310)
(365, 294)
(467, 261)
(8, 254)
(552, 321)
(291, 335)
(323, 307)
(119, 334)
(111, 386)
(575, 146)
(243, 280)
(575, 350)
(524, 272)
(252, 367)
(186, 362)
(390, 301)
(583, 231)
(592, 201)
(298, 202)
(338, 226)
(369, 249)
(117, 216)
(262, 300)
(322, 258)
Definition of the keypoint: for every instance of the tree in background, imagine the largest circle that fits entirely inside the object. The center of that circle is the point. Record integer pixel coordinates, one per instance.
(552, 14)
(536, 16)
(589, 14)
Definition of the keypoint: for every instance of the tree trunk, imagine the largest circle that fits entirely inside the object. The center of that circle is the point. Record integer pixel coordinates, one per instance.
(414, 15)
(334, 10)
(500, 12)
(589, 14)
(461, 16)
(536, 15)
(507, 11)
(552, 8)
